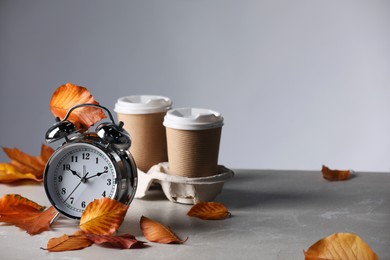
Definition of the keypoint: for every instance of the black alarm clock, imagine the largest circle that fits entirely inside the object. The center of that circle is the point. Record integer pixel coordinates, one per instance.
(89, 165)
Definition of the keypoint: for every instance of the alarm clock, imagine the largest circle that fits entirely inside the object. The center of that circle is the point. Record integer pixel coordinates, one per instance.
(89, 165)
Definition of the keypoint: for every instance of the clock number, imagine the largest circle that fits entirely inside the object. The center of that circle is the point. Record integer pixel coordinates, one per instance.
(71, 200)
(85, 156)
(97, 160)
(63, 191)
(66, 167)
(83, 204)
(73, 158)
(104, 193)
(108, 182)
(59, 178)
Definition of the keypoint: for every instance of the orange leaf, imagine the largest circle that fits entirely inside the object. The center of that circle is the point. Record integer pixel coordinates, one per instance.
(66, 243)
(9, 174)
(46, 152)
(209, 211)
(156, 232)
(334, 175)
(25, 214)
(125, 241)
(38, 223)
(69, 95)
(25, 163)
(103, 216)
(10, 201)
(340, 246)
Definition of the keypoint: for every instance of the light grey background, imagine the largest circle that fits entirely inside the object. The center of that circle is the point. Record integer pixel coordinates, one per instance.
(300, 83)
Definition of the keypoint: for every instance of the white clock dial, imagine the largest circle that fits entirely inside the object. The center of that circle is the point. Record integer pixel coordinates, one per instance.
(77, 175)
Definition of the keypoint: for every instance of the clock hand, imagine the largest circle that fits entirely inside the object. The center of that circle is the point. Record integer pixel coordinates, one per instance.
(75, 173)
(85, 173)
(73, 191)
(83, 180)
(98, 174)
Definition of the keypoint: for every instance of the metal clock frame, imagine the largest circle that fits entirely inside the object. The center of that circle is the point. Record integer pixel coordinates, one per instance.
(121, 159)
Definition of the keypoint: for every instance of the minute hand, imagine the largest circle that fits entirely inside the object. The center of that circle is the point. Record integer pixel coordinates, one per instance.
(81, 181)
(98, 174)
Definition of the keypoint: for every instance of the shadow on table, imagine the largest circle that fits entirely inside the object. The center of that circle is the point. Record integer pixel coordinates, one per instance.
(254, 188)
(237, 199)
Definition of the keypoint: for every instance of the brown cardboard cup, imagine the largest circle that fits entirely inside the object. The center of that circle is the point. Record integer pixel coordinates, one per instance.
(143, 118)
(193, 139)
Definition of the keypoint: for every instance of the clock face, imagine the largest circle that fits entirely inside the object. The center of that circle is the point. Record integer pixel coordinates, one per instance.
(76, 175)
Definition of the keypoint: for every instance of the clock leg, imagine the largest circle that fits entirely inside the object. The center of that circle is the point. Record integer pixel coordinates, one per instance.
(56, 216)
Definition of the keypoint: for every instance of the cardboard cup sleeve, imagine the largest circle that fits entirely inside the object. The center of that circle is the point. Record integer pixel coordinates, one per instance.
(193, 138)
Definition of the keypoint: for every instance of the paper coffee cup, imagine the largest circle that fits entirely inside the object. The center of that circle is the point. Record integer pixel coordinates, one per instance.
(143, 117)
(193, 138)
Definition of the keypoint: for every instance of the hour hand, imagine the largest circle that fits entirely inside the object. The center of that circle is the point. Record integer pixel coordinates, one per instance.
(75, 173)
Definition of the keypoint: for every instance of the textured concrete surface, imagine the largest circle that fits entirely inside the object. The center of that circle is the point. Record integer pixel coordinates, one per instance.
(275, 215)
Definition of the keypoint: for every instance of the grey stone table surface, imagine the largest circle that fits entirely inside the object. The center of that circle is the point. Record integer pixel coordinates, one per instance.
(275, 215)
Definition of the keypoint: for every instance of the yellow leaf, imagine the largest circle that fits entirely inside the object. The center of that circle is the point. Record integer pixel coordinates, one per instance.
(103, 216)
(209, 211)
(340, 246)
(69, 95)
(334, 175)
(9, 174)
(156, 232)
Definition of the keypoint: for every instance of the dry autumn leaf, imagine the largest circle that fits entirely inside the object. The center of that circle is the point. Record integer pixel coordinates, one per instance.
(63, 243)
(25, 214)
(9, 174)
(10, 201)
(103, 216)
(69, 95)
(80, 240)
(334, 175)
(23, 165)
(340, 246)
(209, 211)
(125, 241)
(156, 232)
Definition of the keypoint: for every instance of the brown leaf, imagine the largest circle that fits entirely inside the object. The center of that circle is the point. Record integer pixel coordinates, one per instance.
(28, 164)
(66, 243)
(340, 246)
(69, 95)
(9, 174)
(103, 216)
(156, 232)
(209, 211)
(335, 175)
(25, 214)
(125, 241)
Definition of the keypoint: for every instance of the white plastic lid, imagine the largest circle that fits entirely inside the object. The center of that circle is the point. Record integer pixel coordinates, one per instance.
(142, 104)
(192, 119)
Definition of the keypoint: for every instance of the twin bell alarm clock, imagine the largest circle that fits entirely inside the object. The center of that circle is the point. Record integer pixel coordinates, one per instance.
(89, 165)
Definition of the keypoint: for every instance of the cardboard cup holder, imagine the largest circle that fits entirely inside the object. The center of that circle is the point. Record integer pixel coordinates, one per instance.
(180, 189)
(189, 137)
